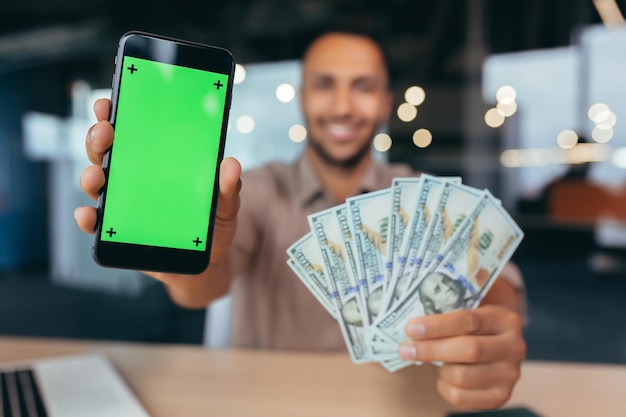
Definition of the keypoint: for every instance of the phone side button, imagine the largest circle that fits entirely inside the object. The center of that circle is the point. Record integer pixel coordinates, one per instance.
(98, 219)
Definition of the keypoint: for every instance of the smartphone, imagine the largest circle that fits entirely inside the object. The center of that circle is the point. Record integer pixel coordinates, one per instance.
(169, 108)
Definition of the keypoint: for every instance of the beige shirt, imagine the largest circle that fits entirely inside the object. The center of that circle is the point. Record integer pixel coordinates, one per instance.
(272, 309)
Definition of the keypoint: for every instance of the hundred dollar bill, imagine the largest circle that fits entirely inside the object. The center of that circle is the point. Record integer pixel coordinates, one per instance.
(369, 215)
(364, 220)
(393, 365)
(407, 261)
(404, 194)
(351, 254)
(305, 259)
(494, 247)
(379, 349)
(471, 261)
(478, 252)
(343, 284)
(311, 286)
(455, 203)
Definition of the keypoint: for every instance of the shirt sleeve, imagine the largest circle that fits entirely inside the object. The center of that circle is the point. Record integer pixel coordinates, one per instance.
(512, 274)
(253, 204)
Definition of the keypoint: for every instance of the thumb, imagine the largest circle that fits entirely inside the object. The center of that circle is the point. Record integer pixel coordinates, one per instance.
(227, 208)
(230, 184)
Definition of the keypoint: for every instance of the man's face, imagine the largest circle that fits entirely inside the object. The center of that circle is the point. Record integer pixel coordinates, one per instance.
(344, 96)
(442, 291)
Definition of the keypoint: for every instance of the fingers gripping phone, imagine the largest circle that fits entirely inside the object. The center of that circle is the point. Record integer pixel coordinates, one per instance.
(169, 109)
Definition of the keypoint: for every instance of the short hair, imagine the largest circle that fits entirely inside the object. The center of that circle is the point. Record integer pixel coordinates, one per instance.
(344, 30)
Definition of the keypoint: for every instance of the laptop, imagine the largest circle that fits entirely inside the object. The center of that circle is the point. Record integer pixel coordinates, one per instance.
(66, 386)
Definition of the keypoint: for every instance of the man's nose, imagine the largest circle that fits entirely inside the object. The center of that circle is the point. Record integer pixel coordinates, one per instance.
(342, 102)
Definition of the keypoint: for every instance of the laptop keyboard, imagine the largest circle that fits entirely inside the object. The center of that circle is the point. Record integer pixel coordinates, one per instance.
(20, 394)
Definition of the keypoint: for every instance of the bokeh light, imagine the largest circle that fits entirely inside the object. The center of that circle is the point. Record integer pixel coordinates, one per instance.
(407, 112)
(422, 138)
(507, 110)
(285, 93)
(567, 139)
(619, 158)
(601, 135)
(598, 112)
(382, 142)
(506, 94)
(608, 122)
(494, 118)
(415, 95)
(297, 133)
(240, 74)
(245, 124)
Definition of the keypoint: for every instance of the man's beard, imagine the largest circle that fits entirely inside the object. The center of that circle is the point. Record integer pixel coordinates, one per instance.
(346, 163)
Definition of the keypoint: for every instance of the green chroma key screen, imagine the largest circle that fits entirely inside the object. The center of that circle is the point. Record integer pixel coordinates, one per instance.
(164, 156)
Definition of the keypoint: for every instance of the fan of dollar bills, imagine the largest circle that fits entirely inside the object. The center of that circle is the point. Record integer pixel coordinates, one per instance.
(425, 245)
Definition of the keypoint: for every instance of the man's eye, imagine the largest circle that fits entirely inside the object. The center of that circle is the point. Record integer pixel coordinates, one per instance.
(437, 289)
(364, 87)
(322, 85)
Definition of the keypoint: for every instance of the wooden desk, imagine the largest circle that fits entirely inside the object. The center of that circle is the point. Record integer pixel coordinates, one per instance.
(188, 381)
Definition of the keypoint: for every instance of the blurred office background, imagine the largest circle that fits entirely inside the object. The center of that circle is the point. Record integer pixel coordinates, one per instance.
(525, 98)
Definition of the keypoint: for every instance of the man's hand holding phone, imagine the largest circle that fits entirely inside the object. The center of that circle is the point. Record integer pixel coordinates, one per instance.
(193, 291)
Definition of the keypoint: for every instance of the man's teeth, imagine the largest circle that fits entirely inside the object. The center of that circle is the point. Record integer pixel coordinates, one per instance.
(339, 129)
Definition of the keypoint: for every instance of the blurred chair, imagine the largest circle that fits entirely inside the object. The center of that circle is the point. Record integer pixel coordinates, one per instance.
(585, 201)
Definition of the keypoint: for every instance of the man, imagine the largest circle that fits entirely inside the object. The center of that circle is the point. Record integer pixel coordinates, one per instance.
(345, 98)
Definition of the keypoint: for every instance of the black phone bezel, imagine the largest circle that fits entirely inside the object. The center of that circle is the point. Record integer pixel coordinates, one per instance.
(155, 258)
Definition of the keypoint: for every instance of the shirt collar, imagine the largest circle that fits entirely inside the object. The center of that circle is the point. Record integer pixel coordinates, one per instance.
(374, 178)
(307, 187)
